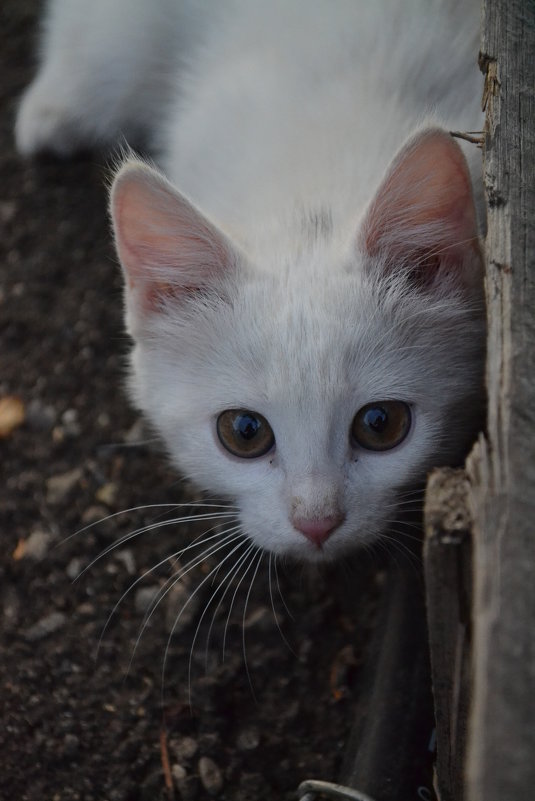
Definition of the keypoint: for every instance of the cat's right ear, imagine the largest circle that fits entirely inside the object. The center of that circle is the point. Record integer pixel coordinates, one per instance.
(422, 220)
(165, 245)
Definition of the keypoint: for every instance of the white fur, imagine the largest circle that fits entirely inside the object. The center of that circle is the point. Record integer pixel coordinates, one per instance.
(280, 130)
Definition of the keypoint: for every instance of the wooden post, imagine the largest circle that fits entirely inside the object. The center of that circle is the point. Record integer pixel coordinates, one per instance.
(491, 505)
(501, 469)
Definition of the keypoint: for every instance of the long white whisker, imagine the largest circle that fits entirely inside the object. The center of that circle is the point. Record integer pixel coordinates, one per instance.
(144, 507)
(221, 538)
(252, 547)
(208, 552)
(240, 544)
(151, 527)
(258, 563)
(272, 557)
(227, 578)
(279, 590)
(230, 537)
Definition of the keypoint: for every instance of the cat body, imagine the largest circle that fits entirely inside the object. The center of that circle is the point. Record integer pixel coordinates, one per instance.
(304, 287)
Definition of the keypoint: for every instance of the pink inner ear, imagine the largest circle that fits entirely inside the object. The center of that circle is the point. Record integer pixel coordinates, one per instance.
(144, 229)
(425, 203)
(164, 244)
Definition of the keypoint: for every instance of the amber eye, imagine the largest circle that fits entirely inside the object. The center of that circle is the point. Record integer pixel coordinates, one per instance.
(243, 433)
(382, 425)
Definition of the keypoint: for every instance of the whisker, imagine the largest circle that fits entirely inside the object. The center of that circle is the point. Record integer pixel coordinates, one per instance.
(251, 548)
(229, 537)
(237, 566)
(244, 649)
(141, 508)
(227, 578)
(412, 493)
(240, 544)
(145, 529)
(405, 534)
(272, 558)
(279, 590)
(410, 504)
(116, 514)
(395, 545)
(208, 552)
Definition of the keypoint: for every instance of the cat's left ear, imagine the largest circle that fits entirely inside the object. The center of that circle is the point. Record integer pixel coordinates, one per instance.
(165, 245)
(423, 219)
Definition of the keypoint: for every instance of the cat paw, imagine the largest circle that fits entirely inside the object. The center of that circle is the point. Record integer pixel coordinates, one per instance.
(45, 125)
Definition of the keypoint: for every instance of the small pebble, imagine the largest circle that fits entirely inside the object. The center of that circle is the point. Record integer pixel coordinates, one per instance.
(107, 493)
(184, 749)
(35, 547)
(74, 568)
(69, 416)
(179, 773)
(71, 426)
(47, 625)
(210, 775)
(87, 609)
(58, 487)
(145, 597)
(126, 556)
(248, 739)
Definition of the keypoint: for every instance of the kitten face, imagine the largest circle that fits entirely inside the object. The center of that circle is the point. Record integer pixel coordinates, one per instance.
(307, 356)
(328, 348)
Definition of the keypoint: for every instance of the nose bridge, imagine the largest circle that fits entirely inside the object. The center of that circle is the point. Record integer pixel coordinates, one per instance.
(315, 496)
(313, 462)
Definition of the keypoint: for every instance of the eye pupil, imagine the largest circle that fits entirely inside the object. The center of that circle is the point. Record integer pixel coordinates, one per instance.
(246, 426)
(376, 419)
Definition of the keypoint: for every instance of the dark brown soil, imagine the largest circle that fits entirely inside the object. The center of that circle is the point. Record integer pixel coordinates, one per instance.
(79, 721)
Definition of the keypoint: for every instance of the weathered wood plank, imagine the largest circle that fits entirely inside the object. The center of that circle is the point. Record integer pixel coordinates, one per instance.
(501, 755)
(447, 563)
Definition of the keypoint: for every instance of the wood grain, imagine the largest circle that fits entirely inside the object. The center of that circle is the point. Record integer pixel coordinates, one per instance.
(495, 497)
(501, 469)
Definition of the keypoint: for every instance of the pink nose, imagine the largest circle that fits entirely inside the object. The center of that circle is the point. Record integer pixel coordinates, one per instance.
(317, 531)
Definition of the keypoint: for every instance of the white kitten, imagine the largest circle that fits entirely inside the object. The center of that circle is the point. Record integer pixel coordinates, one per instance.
(307, 316)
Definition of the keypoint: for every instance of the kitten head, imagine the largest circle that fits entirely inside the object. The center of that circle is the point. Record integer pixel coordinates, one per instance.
(315, 383)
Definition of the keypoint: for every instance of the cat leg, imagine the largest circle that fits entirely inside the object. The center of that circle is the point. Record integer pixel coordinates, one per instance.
(106, 71)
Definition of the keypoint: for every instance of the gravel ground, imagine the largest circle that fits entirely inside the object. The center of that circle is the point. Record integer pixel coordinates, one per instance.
(89, 708)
